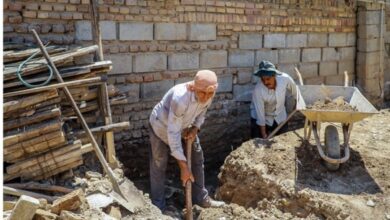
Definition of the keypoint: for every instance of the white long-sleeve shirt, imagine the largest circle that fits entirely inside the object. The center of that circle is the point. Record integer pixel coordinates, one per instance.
(176, 111)
(268, 104)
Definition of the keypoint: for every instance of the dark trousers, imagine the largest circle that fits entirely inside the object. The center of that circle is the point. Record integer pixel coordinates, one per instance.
(158, 159)
(255, 129)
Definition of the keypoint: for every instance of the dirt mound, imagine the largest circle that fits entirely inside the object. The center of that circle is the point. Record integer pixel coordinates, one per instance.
(285, 178)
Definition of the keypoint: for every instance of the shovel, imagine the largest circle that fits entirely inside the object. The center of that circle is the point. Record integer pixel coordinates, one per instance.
(188, 186)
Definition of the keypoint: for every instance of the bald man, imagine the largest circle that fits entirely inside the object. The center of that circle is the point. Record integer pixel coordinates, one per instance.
(177, 117)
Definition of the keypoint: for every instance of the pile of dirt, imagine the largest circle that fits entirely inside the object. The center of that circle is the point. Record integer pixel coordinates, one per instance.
(337, 104)
(285, 178)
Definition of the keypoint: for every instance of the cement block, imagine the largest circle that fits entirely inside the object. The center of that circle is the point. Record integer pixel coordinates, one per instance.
(351, 39)
(368, 17)
(367, 71)
(150, 62)
(225, 83)
(202, 32)
(270, 55)
(136, 31)
(335, 80)
(368, 58)
(317, 40)
(328, 68)
(348, 66)
(108, 30)
(183, 61)
(338, 40)
(287, 68)
(243, 93)
(25, 208)
(244, 76)
(83, 30)
(274, 40)
(369, 31)
(121, 63)
(250, 41)
(330, 54)
(296, 40)
(347, 53)
(314, 80)
(308, 70)
(170, 31)
(155, 90)
(241, 58)
(213, 59)
(368, 45)
(289, 56)
(130, 90)
(311, 55)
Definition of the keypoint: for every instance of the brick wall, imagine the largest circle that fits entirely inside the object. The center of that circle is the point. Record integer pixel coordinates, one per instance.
(159, 43)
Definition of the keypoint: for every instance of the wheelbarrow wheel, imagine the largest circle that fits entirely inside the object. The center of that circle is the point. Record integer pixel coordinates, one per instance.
(332, 146)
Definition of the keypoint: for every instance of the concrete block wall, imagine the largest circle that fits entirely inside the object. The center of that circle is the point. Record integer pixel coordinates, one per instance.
(156, 44)
(370, 53)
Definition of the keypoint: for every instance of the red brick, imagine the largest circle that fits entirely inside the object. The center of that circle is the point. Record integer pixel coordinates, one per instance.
(78, 16)
(71, 8)
(15, 6)
(31, 6)
(59, 7)
(42, 14)
(131, 2)
(67, 15)
(46, 7)
(29, 14)
(15, 19)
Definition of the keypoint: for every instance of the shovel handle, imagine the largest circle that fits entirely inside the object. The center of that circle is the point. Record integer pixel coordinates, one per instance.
(189, 215)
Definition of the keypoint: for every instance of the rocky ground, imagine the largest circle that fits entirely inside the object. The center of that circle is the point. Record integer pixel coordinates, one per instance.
(286, 179)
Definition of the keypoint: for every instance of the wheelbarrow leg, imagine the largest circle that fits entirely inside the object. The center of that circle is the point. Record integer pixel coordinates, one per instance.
(307, 130)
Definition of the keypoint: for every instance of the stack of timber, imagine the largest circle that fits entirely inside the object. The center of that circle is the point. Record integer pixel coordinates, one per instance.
(39, 122)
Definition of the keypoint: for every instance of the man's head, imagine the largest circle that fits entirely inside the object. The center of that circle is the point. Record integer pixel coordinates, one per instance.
(204, 85)
(267, 73)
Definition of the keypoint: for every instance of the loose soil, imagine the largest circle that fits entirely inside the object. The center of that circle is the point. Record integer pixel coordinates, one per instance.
(337, 104)
(285, 178)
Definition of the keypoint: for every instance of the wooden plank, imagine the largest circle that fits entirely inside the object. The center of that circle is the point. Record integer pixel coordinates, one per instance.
(46, 157)
(35, 118)
(84, 82)
(44, 146)
(41, 77)
(53, 169)
(33, 108)
(31, 142)
(13, 56)
(39, 186)
(29, 100)
(40, 65)
(18, 192)
(32, 132)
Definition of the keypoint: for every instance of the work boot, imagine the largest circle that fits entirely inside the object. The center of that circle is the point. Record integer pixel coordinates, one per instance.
(211, 203)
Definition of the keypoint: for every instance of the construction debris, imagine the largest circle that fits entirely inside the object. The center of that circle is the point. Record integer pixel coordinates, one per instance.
(42, 136)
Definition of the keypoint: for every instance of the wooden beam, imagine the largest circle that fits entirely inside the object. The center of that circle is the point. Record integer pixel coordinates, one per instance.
(28, 101)
(39, 186)
(18, 192)
(40, 65)
(98, 152)
(89, 81)
(104, 97)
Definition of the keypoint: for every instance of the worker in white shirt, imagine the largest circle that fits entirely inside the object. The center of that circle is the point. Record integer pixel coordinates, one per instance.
(268, 108)
(177, 117)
